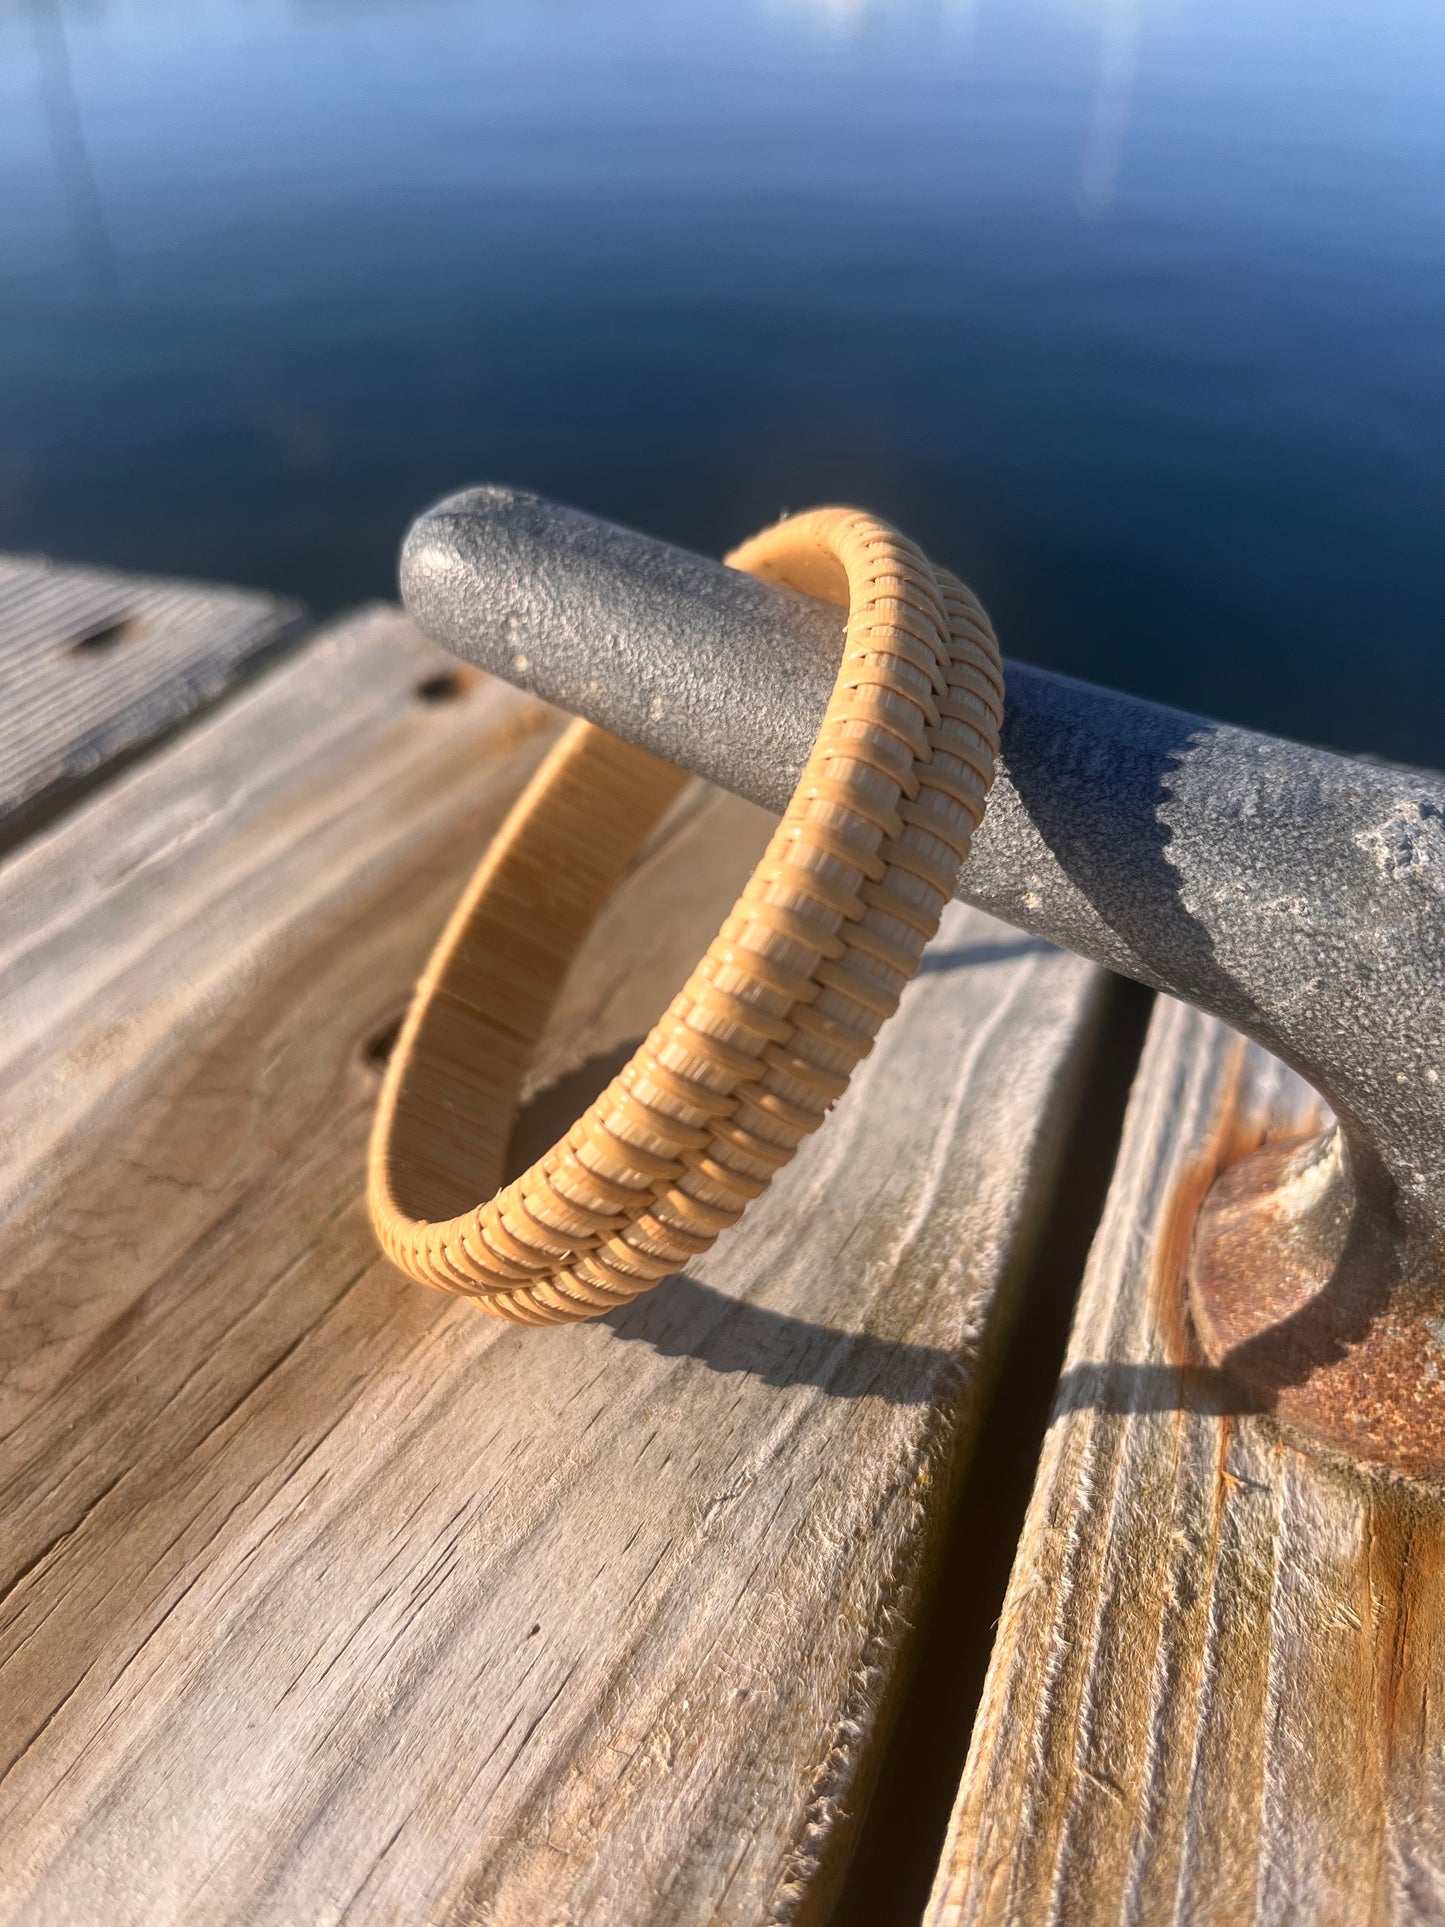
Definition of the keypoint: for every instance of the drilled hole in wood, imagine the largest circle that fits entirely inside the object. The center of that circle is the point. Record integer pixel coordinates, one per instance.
(99, 637)
(377, 1049)
(446, 686)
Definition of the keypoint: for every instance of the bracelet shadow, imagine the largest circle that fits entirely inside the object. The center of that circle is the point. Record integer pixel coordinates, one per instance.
(686, 1318)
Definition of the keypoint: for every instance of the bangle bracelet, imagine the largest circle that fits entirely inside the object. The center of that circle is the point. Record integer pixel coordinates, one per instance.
(761, 1040)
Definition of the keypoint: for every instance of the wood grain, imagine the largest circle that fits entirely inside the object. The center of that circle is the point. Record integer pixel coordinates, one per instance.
(1215, 1695)
(327, 1599)
(94, 663)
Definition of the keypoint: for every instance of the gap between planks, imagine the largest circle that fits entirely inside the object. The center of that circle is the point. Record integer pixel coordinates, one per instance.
(907, 1821)
(96, 664)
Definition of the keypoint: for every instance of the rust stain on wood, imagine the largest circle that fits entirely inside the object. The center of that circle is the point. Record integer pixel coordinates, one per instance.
(1256, 1629)
(1230, 1137)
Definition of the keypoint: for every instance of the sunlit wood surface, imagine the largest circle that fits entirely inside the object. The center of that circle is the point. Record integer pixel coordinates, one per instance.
(327, 1599)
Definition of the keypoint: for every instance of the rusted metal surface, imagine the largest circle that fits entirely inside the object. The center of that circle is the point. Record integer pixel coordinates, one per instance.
(1297, 1295)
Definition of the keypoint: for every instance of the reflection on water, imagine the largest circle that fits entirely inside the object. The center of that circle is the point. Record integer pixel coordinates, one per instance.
(74, 175)
(1132, 309)
(1109, 120)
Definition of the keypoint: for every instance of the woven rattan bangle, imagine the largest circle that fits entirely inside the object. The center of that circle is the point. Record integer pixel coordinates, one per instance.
(789, 996)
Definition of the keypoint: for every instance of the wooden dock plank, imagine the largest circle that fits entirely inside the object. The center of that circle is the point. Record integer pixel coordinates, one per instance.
(94, 663)
(329, 1599)
(1215, 1692)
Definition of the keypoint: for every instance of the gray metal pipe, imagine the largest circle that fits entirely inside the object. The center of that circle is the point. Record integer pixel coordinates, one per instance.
(1297, 895)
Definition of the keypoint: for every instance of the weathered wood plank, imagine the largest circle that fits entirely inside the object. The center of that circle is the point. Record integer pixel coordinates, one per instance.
(1215, 1693)
(327, 1598)
(94, 663)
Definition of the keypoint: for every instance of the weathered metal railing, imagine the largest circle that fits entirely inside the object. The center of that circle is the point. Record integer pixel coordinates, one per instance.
(1297, 895)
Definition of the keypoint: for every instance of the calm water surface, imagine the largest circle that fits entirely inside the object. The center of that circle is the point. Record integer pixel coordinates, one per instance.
(1133, 310)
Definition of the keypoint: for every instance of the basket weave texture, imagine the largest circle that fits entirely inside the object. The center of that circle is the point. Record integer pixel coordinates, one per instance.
(763, 1037)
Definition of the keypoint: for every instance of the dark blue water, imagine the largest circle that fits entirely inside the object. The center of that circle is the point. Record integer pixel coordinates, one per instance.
(1133, 310)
